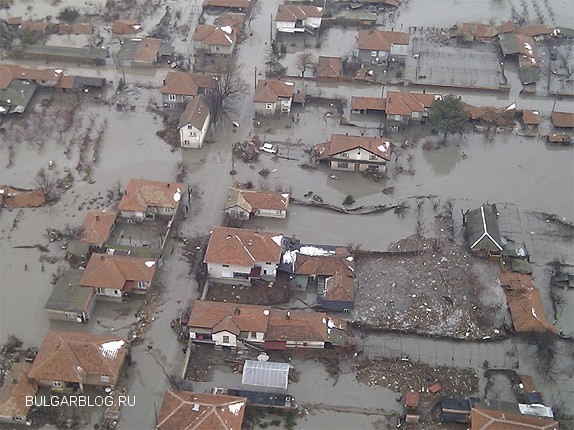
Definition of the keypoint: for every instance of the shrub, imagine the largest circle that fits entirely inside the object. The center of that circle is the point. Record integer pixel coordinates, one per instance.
(349, 200)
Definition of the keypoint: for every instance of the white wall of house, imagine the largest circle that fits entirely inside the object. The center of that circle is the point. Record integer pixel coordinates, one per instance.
(109, 293)
(287, 27)
(265, 108)
(359, 154)
(313, 22)
(255, 337)
(285, 105)
(399, 50)
(225, 338)
(342, 165)
(225, 271)
(133, 215)
(193, 137)
(238, 212)
(269, 213)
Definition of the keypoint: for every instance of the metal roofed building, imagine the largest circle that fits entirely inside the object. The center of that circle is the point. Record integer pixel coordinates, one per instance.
(265, 376)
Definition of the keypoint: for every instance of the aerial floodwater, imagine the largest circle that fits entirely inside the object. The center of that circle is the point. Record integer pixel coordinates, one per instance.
(189, 184)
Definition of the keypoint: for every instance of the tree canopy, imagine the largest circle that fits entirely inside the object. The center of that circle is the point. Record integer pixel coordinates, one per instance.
(447, 114)
(230, 87)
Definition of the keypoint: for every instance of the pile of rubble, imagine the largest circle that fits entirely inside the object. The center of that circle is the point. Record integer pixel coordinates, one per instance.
(144, 319)
(431, 287)
(248, 151)
(402, 376)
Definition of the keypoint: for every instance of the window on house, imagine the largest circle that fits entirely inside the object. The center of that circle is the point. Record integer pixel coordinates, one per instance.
(168, 210)
(344, 155)
(225, 339)
(105, 378)
(100, 291)
(71, 315)
(239, 275)
(232, 213)
(117, 292)
(17, 418)
(189, 126)
(186, 142)
(372, 157)
(269, 106)
(172, 97)
(217, 48)
(225, 265)
(142, 285)
(343, 165)
(278, 212)
(253, 334)
(374, 53)
(398, 117)
(57, 384)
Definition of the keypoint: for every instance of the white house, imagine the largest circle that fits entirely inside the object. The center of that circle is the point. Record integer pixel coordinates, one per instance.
(242, 204)
(355, 153)
(239, 256)
(194, 123)
(147, 199)
(292, 18)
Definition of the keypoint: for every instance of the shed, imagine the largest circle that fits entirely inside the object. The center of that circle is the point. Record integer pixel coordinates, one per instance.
(265, 376)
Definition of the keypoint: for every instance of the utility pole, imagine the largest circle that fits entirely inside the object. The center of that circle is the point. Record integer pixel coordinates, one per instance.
(255, 77)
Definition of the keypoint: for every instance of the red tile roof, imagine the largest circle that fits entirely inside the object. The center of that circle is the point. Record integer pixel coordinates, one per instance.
(341, 143)
(295, 12)
(405, 103)
(487, 419)
(340, 287)
(66, 82)
(218, 316)
(184, 410)
(563, 119)
(530, 117)
(126, 26)
(368, 103)
(215, 35)
(13, 198)
(73, 356)
(16, 388)
(297, 326)
(187, 84)
(147, 50)
(235, 20)
(97, 226)
(243, 247)
(252, 200)
(231, 4)
(80, 28)
(141, 194)
(269, 91)
(328, 67)
(37, 26)
(9, 72)
(114, 271)
(534, 30)
(375, 40)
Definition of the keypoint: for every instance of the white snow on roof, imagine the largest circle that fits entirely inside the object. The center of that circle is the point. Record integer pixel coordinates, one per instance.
(228, 39)
(315, 251)
(383, 147)
(235, 408)
(289, 256)
(110, 349)
(330, 323)
(277, 239)
(289, 83)
(177, 196)
(349, 258)
(535, 112)
(286, 195)
(150, 263)
(534, 313)
(227, 29)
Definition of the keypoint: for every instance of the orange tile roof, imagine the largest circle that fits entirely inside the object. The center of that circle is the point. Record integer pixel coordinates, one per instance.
(215, 35)
(126, 26)
(269, 91)
(10, 71)
(37, 26)
(375, 40)
(342, 143)
(329, 67)
(97, 226)
(147, 50)
(16, 388)
(297, 326)
(340, 287)
(66, 82)
(13, 198)
(563, 119)
(324, 265)
(243, 247)
(295, 12)
(370, 103)
(14, 20)
(80, 28)
(405, 103)
(141, 194)
(530, 117)
(187, 84)
(114, 271)
(487, 419)
(72, 356)
(218, 316)
(252, 200)
(232, 4)
(185, 410)
(534, 30)
(235, 20)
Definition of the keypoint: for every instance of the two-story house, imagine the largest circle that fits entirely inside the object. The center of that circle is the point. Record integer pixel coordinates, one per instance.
(113, 276)
(242, 204)
(214, 39)
(403, 108)
(194, 123)
(380, 47)
(180, 87)
(70, 361)
(292, 18)
(147, 199)
(355, 153)
(273, 97)
(239, 256)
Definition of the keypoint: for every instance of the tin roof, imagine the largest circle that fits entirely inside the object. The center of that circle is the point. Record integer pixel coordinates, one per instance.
(481, 223)
(68, 296)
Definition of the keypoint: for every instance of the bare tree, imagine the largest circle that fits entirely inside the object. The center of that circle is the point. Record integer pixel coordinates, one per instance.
(230, 86)
(46, 182)
(304, 61)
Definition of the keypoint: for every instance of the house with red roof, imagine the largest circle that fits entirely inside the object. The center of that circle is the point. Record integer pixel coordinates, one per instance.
(404, 108)
(273, 97)
(380, 47)
(294, 18)
(214, 39)
(181, 87)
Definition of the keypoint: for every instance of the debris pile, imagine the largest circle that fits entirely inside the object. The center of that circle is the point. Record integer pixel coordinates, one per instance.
(248, 151)
(144, 319)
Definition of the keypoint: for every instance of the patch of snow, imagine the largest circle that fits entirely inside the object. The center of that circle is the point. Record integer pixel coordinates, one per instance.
(289, 83)
(177, 196)
(383, 147)
(289, 257)
(315, 251)
(110, 349)
(330, 323)
(228, 39)
(285, 196)
(266, 312)
(534, 313)
(277, 239)
(235, 408)
(349, 258)
(150, 263)
(227, 29)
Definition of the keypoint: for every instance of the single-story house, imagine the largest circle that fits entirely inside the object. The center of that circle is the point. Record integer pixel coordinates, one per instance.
(242, 204)
(94, 232)
(562, 119)
(235, 5)
(113, 276)
(328, 68)
(40, 27)
(198, 411)
(94, 56)
(143, 52)
(368, 104)
(214, 39)
(559, 139)
(16, 97)
(483, 232)
(13, 198)
(273, 97)
(530, 118)
(43, 77)
(402, 108)
(293, 18)
(17, 388)
(194, 123)
(78, 28)
(380, 47)
(69, 301)
(225, 323)
(265, 376)
(483, 418)
(238, 256)
(69, 361)
(355, 153)
(147, 199)
(179, 87)
(126, 27)
(234, 20)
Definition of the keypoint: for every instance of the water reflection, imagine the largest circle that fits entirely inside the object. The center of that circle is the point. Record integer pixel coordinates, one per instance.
(443, 160)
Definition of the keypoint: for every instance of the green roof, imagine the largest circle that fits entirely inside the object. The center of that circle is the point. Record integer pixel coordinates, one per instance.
(482, 229)
(91, 53)
(69, 296)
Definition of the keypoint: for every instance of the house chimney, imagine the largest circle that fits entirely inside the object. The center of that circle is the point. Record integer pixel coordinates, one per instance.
(237, 311)
(168, 184)
(97, 217)
(102, 257)
(288, 315)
